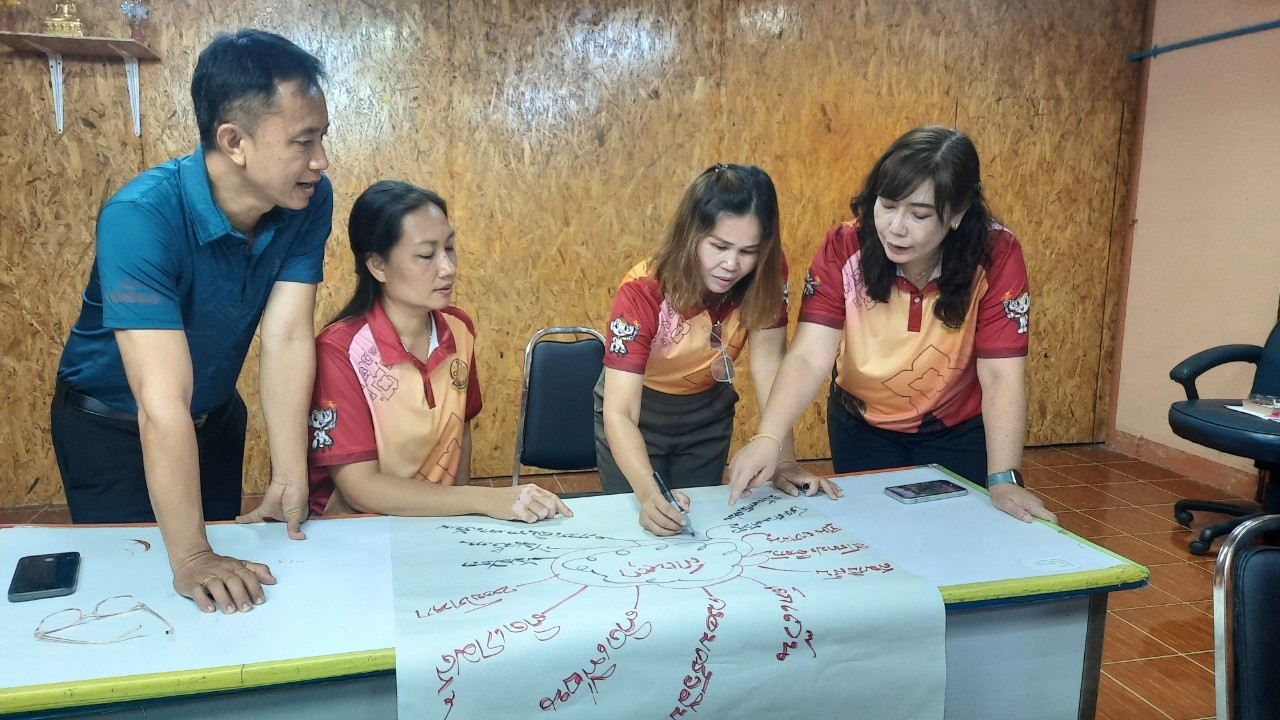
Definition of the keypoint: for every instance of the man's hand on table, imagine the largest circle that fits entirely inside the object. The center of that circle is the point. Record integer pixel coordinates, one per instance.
(284, 502)
(215, 582)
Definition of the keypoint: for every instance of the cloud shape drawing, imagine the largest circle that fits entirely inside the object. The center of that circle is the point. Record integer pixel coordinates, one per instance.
(670, 564)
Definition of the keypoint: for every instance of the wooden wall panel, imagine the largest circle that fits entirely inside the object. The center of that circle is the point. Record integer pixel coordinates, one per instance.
(563, 133)
(1049, 174)
(579, 128)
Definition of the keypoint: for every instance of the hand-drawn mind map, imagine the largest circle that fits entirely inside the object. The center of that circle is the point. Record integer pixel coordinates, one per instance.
(585, 616)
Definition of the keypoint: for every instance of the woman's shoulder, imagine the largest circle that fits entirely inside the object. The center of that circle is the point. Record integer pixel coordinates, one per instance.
(341, 331)
(640, 283)
(1001, 242)
(460, 314)
(844, 235)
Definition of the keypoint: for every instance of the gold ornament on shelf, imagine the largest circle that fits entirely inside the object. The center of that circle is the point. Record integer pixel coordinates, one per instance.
(63, 20)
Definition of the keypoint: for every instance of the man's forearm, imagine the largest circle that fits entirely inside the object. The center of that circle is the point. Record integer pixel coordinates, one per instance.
(287, 374)
(171, 461)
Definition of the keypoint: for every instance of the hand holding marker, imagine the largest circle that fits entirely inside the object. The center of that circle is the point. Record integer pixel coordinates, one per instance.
(666, 493)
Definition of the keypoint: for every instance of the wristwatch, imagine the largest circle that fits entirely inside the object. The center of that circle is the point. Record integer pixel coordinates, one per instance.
(1005, 476)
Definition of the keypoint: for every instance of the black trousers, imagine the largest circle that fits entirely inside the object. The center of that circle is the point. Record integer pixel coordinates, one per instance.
(100, 459)
(687, 437)
(858, 446)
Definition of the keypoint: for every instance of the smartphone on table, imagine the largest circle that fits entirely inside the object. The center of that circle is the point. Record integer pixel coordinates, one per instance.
(925, 491)
(45, 576)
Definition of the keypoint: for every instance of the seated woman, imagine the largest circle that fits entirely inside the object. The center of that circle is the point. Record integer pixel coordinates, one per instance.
(665, 401)
(922, 304)
(396, 384)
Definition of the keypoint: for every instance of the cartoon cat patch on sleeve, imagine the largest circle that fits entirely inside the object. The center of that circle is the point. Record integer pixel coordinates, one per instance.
(1018, 308)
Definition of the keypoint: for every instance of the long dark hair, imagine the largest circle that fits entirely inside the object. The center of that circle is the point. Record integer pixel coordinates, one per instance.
(948, 158)
(375, 226)
(735, 191)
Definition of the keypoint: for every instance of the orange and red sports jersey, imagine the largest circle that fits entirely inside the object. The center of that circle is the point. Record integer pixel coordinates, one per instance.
(374, 400)
(906, 367)
(673, 352)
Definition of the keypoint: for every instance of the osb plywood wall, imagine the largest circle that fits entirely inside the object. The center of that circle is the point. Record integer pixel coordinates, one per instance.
(563, 134)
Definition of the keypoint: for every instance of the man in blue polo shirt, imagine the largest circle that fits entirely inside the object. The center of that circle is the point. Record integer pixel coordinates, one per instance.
(192, 257)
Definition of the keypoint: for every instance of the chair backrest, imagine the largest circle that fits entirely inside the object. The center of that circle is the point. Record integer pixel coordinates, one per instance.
(556, 425)
(1267, 379)
(1246, 624)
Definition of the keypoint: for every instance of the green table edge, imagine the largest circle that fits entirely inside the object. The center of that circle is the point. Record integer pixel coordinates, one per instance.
(178, 683)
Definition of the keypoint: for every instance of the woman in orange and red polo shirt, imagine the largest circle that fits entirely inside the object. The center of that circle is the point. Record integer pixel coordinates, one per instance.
(665, 401)
(922, 304)
(396, 384)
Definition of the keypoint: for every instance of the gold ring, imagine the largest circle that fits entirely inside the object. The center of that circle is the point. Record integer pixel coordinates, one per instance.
(208, 579)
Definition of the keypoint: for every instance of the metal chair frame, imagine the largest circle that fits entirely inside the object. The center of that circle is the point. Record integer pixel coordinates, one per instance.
(524, 390)
(1223, 600)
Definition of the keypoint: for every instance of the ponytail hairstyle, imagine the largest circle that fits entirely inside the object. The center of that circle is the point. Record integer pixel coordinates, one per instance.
(374, 228)
(724, 191)
(947, 158)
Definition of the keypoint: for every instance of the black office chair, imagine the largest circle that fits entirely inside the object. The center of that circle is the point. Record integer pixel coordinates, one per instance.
(555, 428)
(1246, 624)
(1212, 424)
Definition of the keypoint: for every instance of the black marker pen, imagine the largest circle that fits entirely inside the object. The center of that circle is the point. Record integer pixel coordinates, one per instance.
(666, 493)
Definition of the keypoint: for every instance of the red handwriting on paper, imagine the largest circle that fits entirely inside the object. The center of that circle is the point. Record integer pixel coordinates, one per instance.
(791, 625)
(475, 600)
(477, 651)
(829, 528)
(856, 571)
(700, 676)
(806, 553)
(598, 668)
(693, 565)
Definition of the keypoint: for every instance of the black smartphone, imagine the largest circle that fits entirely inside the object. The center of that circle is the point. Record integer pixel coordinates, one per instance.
(925, 491)
(45, 576)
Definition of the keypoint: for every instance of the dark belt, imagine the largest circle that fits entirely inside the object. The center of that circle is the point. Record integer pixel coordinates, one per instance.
(846, 400)
(94, 406)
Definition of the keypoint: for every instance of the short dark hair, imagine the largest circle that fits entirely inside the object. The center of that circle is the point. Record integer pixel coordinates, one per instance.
(236, 78)
(947, 158)
(374, 227)
(728, 191)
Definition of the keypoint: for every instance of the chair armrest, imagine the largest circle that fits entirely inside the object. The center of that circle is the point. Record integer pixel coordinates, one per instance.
(1186, 372)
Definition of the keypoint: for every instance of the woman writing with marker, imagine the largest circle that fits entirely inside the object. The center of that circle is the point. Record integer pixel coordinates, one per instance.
(922, 304)
(665, 402)
(396, 384)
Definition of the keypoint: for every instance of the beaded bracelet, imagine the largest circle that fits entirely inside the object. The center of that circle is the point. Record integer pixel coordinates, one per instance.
(774, 438)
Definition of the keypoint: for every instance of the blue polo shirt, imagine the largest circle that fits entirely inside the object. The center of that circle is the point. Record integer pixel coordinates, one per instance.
(169, 259)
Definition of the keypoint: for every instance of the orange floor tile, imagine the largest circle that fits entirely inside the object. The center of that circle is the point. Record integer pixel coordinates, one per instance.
(1157, 659)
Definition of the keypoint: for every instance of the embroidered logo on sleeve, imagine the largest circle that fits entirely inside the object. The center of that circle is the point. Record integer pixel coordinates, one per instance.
(458, 374)
(322, 422)
(623, 332)
(1017, 308)
(811, 284)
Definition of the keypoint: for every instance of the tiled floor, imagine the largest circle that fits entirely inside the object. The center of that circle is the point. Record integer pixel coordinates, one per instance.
(1158, 652)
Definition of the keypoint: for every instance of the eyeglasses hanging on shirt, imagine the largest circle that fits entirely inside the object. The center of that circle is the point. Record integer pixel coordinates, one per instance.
(722, 366)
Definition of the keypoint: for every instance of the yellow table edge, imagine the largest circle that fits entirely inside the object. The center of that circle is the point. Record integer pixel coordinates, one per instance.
(193, 682)
(1124, 573)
